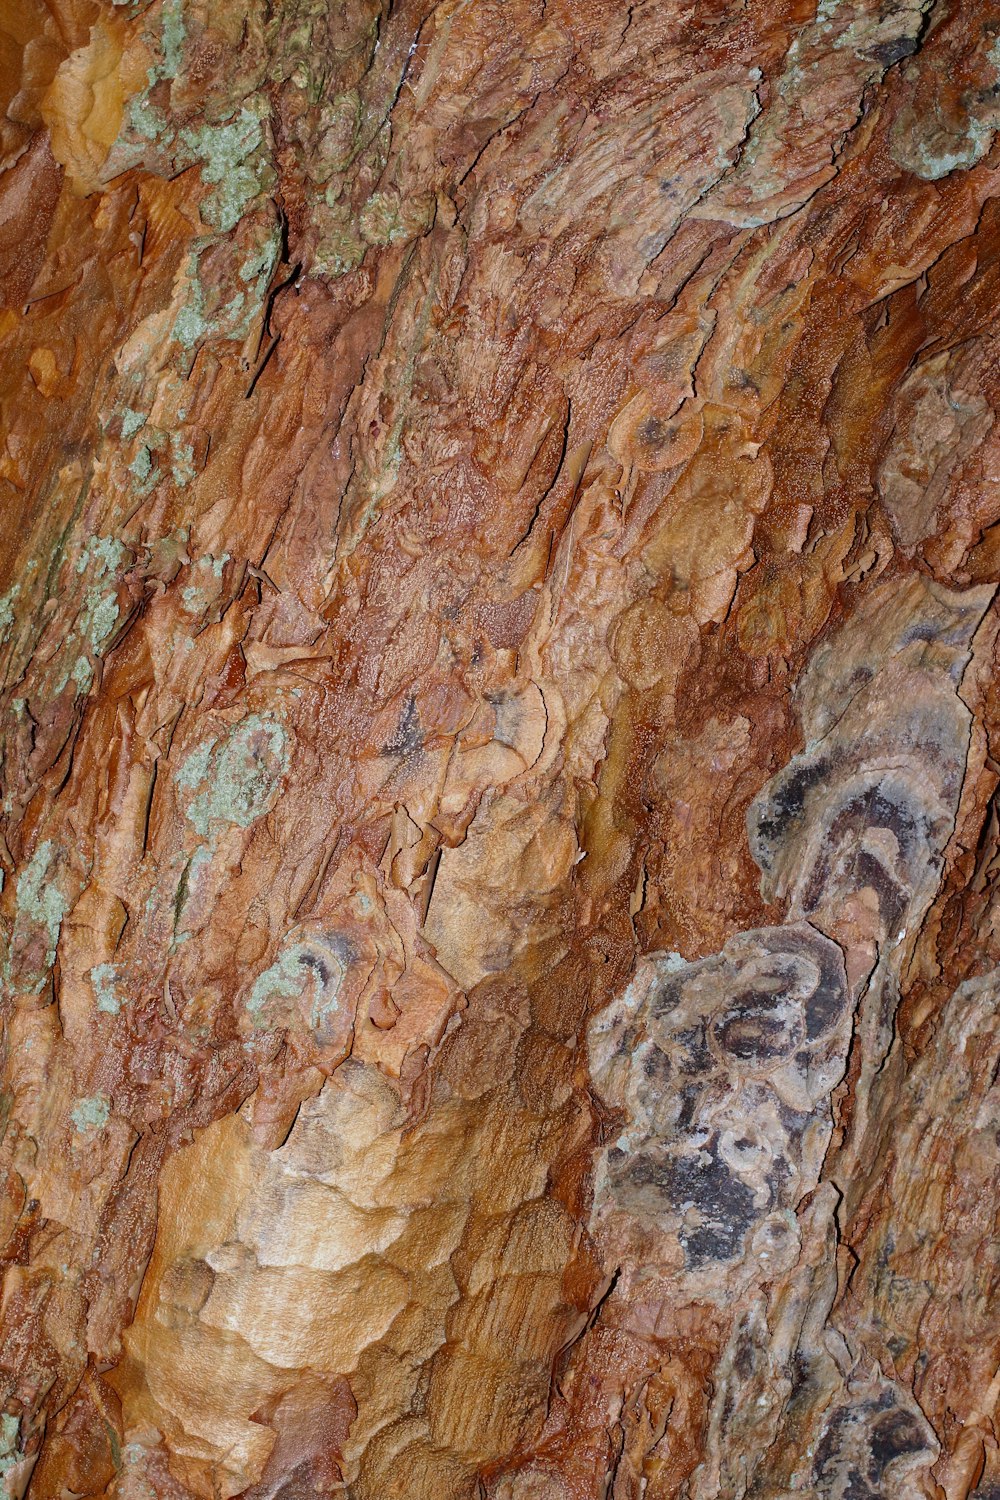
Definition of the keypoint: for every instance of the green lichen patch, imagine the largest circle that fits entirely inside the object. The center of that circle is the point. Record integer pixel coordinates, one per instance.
(194, 601)
(203, 314)
(102, 557)
(197, 595)
(147, 122)
(231, 150)
(232, 156)
(9, 1428)
(239, 777)
(90, 1114)
(182, 469)
(965, 153)
(7, 602)
(146, 474)
(97, 612)
(132, 421)
(380, 220)
(308, 972)
(340, 248)
(173, 33)
(191, 325)
(99, 617)
(284, 980)
(339, 134)
(195, 769)
(104, 553)
(41, 907)
(82, 674)
(10, 1454)
(106, 981)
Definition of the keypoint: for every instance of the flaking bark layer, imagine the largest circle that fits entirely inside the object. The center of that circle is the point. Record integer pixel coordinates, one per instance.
(500, 730)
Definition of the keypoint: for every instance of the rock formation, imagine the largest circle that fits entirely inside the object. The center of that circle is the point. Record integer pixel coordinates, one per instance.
(500, 749)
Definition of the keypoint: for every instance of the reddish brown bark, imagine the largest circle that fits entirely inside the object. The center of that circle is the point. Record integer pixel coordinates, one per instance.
(500, 749)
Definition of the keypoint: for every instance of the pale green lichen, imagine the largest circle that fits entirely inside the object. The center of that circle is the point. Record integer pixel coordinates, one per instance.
(236, 781)
(105, 980)
(146, 120)
(82, 674)
(100, 617)
(231, 157)
(194, 770)
(933, 165)
(195, 597)
(241, 775)
(7, 609)
(145, 474)
(186, 886)
(90, 1114)
(6, 1464)
(199, 859)
(932, 148)
(340, 248)
(183, 468)
(380, 220)
(40, 902)
(303, 967)
(141, 466)
(233, 320)
(233, 153)
(340, 126)
(190, 324)
(284, 980)
(97, 617)
(194, 600)
(10, 1454)
(106, 551)
(132, 421)
(232, 309)
(173, 37)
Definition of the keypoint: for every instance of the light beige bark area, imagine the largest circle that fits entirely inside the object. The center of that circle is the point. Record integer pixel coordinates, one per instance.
(500, 742)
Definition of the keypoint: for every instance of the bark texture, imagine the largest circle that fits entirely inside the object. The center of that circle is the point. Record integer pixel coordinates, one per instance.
(501, 517)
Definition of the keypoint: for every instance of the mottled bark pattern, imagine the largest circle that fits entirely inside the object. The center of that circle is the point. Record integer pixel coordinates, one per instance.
(498, 694)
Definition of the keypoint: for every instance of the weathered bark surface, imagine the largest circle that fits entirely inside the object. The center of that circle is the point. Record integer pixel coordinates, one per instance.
(501, 518)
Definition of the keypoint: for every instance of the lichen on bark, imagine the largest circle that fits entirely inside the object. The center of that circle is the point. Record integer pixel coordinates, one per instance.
(500, 748)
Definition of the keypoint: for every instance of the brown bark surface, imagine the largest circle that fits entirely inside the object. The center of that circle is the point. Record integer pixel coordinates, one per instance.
(501, 519)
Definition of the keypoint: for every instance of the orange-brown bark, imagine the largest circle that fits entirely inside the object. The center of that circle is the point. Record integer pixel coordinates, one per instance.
(500, 746)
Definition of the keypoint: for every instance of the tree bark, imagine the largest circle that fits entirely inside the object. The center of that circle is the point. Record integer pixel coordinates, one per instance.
(500, 749)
